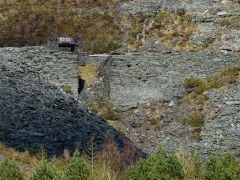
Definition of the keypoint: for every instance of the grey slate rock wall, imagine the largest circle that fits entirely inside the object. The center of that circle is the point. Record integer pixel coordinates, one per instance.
(57, 67)
(145, 77)
(35, 113)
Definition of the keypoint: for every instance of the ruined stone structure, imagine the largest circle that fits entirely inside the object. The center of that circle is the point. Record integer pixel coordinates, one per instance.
(58, 67)
(144, 77)
(35, 114)
(104, 70)
(127, 80)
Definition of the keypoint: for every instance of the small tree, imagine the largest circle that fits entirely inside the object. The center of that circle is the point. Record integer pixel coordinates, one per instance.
(220, 167)
(77, 169)
(10, 170)
(160, 165)
(46, 172)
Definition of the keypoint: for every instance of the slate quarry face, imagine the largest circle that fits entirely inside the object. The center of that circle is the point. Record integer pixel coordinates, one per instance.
(59, 68)
(34, 113)
(145, 77)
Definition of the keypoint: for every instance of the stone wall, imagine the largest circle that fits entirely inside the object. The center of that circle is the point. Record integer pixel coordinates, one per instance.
(34, 113)
(59, 68)
(136, 78)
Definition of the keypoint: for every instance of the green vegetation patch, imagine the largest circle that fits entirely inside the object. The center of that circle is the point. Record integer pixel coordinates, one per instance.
(67, 88)
(197, 98)
(160, 165)
(78, 168)
(192, 82)
(222, 166)
(175, 29)
(10, 170)
(110, 163)
(195, 118)
(229, 75)
(46, 171)
(104, 109)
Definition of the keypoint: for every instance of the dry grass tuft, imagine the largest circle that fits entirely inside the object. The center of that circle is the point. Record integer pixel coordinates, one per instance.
(88, 73)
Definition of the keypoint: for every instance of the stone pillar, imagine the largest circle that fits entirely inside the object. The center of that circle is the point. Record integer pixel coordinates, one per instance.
(82, 58)
(79, 44)
(79, 49)
(51, 44)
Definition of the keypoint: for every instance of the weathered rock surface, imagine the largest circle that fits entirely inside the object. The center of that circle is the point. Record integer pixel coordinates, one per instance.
(34, 113)
(146, 89)
(150, 6)
(137, 78)
(142, 86)
(57, 67)
(221, 129)
(214, 21)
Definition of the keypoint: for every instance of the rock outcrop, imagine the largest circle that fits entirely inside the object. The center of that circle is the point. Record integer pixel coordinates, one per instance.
(137, 78)
(59, 68)
(34, 113)
(147, 90)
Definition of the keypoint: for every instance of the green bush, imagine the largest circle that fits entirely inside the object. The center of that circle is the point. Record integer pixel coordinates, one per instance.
(162, 16)
(77, 169)
(92, 106)
(225, 22)
(112, 46)
(9, 170)
(67, 89)
(181, 12)
(160, 165)
(205, 45)
(191, 164)
(195, 118)
(221, 167)
(192, 82)
(106, 110)
(153, 121)
(46, 172)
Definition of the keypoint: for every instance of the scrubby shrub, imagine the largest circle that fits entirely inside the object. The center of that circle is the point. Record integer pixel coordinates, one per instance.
(162, 16)
(160, 165)
(181, 12)
(153, 120)
(196, 134)
(92, 106)
(67, 89)
(192, 82)
(225, 22)
(205, 45)
(191, 164)
(77, 169)
(221, 167)
(195, 118)
(109, 156)
(46, 172)
(9, 170)
(106, 110)
(229, 75)
(112, 46)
